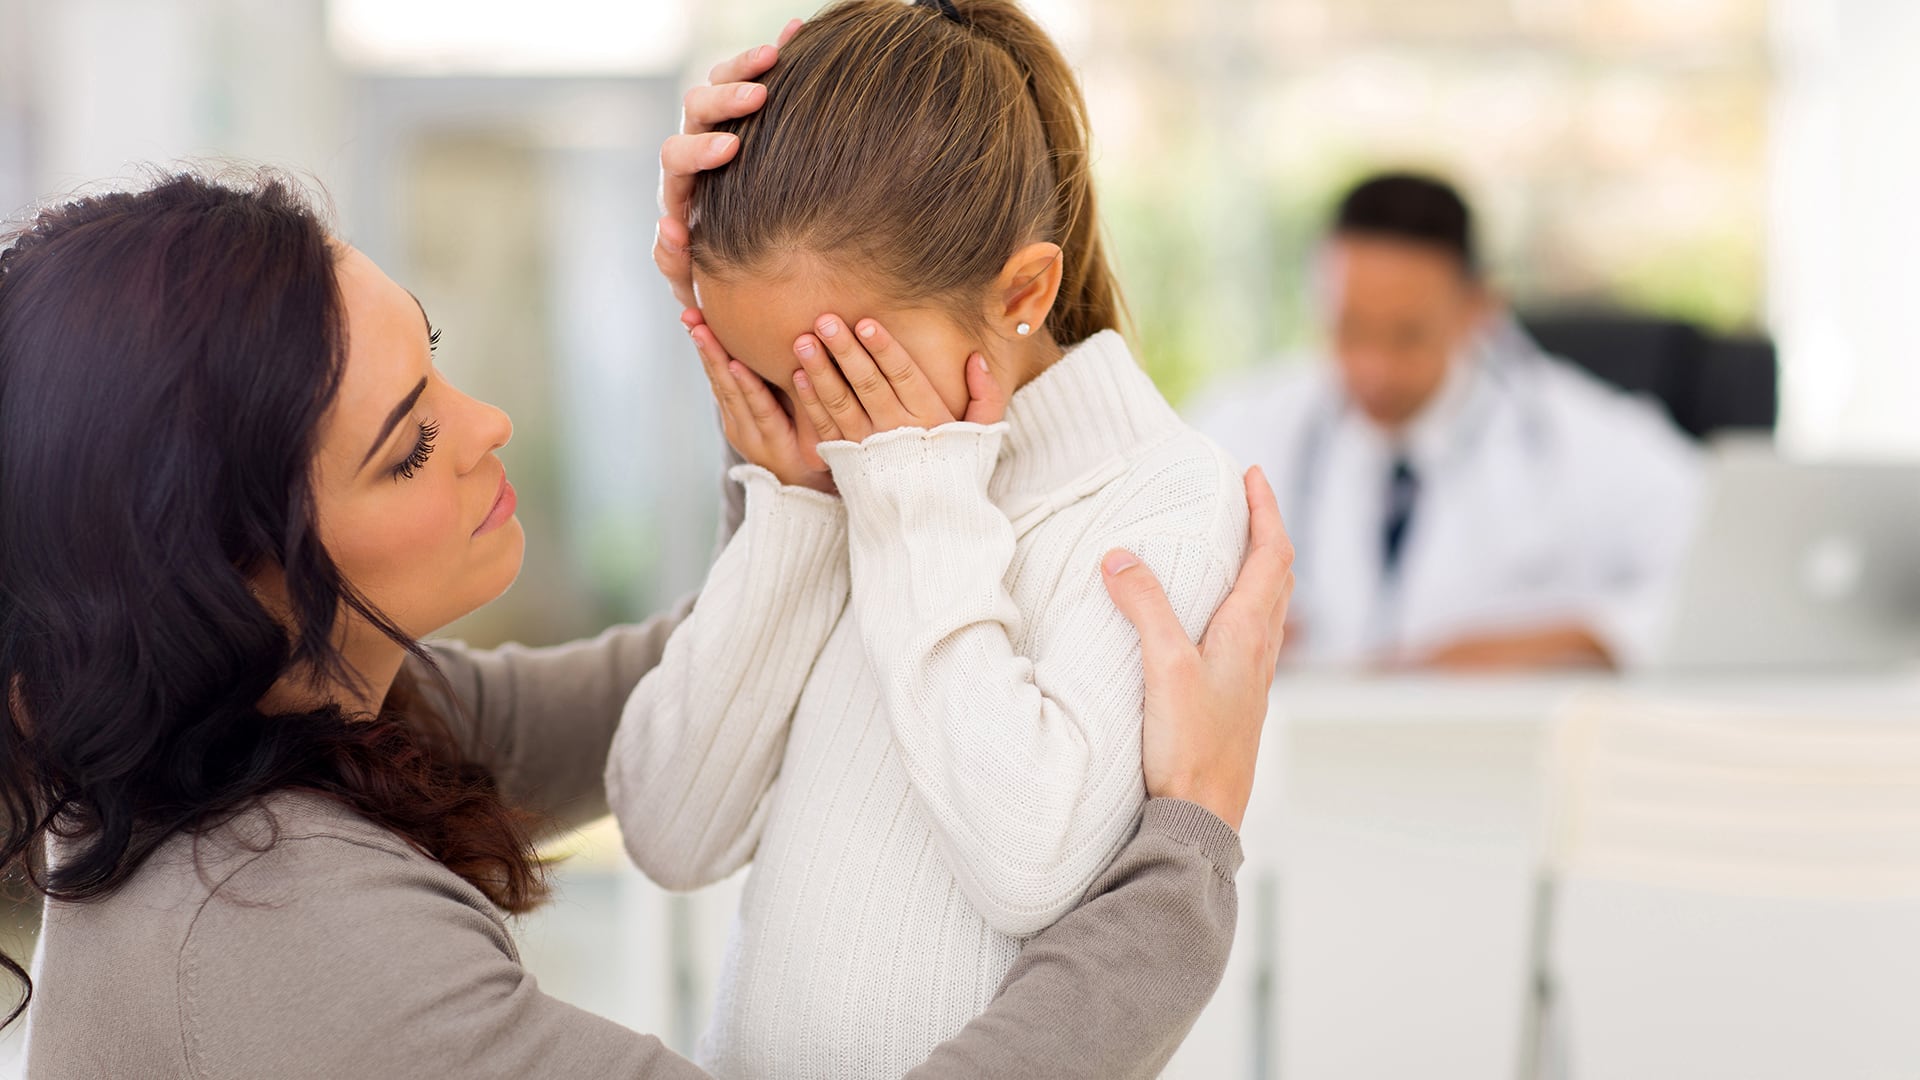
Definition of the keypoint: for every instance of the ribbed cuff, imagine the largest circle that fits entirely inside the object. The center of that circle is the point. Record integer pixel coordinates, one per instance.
(930, 482)
(1196, 826)
(786, 500)
(956, 451)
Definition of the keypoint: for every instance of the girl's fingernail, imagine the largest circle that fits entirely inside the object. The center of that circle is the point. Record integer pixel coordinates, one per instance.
(758, 52)
(1118, 562)
(804, 348)
(829, 328)
(866, 330)
(800, 382)
(745, 92)
(980, 363)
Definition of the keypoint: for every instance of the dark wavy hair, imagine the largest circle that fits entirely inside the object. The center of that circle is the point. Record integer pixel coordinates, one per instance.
(166, 357)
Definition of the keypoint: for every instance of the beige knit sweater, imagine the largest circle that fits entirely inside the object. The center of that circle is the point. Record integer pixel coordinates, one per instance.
(915, 709)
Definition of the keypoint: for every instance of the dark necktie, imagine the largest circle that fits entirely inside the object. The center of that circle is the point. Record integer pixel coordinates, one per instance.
(1403, 490)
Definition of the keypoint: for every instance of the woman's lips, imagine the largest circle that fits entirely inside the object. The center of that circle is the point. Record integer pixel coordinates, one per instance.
(503, 506)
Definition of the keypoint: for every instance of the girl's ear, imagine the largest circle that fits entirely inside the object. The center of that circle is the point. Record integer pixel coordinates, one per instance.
(1026, 289)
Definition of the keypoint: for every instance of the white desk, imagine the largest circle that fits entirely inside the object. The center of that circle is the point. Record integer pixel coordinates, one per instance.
(1397, 822)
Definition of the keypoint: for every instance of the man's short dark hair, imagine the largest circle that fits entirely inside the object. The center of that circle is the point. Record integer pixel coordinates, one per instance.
(1412, 207)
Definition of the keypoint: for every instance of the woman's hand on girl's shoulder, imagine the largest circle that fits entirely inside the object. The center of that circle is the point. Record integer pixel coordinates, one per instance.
(1206, 704)
(753, 420)
(857, 381)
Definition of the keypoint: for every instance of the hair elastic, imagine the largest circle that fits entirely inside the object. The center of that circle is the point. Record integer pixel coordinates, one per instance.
(944, 7)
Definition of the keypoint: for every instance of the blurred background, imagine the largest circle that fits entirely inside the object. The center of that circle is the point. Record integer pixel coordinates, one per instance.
(1744, 167)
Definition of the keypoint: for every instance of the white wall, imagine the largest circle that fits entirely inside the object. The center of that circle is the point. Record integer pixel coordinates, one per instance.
(91, 90)
(1845, 284)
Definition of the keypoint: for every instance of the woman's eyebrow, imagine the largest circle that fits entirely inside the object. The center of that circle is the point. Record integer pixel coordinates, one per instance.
(393, 419)
(407, 403)
(423, 311)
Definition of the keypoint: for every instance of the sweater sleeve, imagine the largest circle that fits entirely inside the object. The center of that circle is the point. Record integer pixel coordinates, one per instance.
(328, 957)
(1109, 991)
(700, 741)
(1028, 766)
(543, 718)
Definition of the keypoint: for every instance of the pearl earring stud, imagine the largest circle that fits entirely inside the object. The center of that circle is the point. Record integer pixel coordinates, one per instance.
(1023, 329)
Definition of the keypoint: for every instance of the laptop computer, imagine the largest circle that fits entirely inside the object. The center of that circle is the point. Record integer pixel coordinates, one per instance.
(1800, 566)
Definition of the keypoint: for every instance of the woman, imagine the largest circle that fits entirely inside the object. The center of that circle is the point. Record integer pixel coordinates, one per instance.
(280, 833)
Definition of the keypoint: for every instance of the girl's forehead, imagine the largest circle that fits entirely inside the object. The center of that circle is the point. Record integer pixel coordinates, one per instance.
(758, 318)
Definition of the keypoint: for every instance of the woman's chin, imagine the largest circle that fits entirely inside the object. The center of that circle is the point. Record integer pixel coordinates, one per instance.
(495, 573)
(513, 540)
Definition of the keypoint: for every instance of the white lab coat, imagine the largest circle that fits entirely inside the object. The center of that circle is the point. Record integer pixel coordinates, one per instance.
(1546, 497)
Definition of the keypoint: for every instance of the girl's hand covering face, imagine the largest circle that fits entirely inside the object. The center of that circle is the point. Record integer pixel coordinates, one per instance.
(856, 381)
(754, 421)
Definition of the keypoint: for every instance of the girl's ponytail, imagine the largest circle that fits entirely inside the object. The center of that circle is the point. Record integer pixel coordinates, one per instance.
(926, 142)
(1089, 293)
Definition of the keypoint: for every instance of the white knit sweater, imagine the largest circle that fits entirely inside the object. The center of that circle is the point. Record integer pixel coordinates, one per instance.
(916, 711)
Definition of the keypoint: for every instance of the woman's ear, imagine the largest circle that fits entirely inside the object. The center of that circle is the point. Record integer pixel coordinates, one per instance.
(1026, 289)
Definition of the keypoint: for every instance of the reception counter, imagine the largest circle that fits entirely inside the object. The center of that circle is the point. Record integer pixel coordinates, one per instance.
(1392, 849)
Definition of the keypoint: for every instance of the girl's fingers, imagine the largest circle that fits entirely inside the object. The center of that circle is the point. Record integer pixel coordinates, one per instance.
(807, 430)
(877, 396)
(842, 405)
(773, 423)
(786, 32)
(819, 418)
(910, 385)
(986, 398)
(714, 361)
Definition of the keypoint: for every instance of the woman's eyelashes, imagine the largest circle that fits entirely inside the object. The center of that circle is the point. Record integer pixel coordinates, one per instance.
(422, 449)
(423, 446)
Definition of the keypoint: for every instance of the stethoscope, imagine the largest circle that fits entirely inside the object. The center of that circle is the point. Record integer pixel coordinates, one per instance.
(1505, 361)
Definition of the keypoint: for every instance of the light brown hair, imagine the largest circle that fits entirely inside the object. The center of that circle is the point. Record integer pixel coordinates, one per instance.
(924, 144)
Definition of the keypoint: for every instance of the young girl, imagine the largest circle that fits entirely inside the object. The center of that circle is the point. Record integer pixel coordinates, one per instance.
(904, 694)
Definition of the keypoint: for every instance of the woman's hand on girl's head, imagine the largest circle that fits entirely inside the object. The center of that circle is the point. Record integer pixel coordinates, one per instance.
(1205, 705)
(753, 420)
(728, 95)
(854, 382)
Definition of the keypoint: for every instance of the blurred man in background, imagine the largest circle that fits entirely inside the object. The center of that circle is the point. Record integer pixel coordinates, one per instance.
(1458, 498)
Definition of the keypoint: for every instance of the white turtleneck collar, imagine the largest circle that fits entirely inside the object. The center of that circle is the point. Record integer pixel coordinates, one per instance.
(1076, 422)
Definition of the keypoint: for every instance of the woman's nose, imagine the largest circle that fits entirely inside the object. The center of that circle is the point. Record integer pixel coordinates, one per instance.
(500, 425)
(492, 429)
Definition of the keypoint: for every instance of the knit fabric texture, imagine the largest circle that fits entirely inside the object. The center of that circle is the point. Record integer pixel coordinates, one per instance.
(916, 712)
